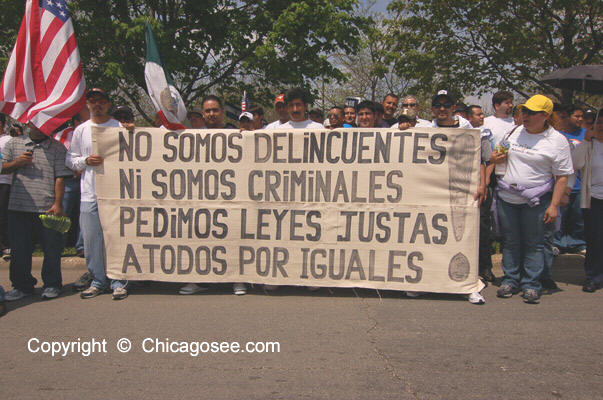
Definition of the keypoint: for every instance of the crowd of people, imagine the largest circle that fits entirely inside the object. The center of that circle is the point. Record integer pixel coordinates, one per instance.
(540, 190)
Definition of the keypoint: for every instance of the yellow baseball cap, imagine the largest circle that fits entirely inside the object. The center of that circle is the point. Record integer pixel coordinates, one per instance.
(539, 103)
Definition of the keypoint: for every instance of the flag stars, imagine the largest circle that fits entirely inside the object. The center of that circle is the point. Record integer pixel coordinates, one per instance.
(50, 3)
(59, 5)
(63, 14)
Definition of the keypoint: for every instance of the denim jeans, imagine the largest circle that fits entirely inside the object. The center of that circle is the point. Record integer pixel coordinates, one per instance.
(593, 224)
(485, 229)
(571, 236)
(94, 246)
(71, 201)
(547, 273)
(523, 230)
(21, 226)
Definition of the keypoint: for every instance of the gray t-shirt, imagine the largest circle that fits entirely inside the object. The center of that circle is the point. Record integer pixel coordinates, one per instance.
(33, 185)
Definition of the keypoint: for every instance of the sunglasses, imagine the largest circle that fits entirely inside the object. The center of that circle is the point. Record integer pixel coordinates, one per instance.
(527, 111)
(440, 105)
(409, 105)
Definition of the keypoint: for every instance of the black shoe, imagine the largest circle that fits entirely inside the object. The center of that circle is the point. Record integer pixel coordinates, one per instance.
(549, 284)
(80, 254)
(487, 275)
(506, 291)
(83, 282)
(530, 296)
(590, 286)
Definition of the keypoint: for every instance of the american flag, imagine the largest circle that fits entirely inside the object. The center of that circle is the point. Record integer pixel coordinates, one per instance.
(65, 136)
(244, 102)
(44, 82)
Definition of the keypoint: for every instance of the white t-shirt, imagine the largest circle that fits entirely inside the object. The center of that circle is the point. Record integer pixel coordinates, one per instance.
(307, 124)
(423, 123)
(596, 170)
(463, 123)
(533, 159)
(275, 125)
(6, 179)
(79, 150)
(499, 126)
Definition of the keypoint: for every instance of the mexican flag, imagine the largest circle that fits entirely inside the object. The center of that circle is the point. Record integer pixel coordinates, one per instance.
(160, 85)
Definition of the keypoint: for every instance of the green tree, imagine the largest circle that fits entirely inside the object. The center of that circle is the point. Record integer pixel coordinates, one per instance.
(475, 46)
(221, 46)
(369, 72)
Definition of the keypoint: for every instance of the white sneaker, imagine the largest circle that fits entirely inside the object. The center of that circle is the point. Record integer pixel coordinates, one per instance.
(15, 294)
(414, 295)
(476, 298)
(50, 293)
(239, 289)
(120, 293)
(192, 288)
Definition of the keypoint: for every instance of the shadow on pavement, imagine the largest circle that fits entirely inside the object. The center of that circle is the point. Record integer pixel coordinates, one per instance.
(67, 291)
(569, 269)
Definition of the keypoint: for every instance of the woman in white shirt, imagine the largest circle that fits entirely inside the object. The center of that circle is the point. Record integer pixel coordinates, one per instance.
(588, 158)
(538, 163)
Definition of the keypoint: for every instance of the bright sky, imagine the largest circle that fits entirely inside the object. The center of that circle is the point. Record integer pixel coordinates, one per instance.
(380, 5)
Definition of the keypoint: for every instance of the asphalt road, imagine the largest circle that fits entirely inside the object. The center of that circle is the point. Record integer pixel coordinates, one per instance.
(334, 344)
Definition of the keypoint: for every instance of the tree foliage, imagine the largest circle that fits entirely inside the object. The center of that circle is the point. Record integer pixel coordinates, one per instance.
(475, 46)
(211, 45)
(369, 72)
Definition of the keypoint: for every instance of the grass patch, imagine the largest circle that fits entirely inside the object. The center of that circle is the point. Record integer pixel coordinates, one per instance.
(67, 252)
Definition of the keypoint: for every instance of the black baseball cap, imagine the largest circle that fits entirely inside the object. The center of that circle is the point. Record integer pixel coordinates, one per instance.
(443, 93)
(98, 91)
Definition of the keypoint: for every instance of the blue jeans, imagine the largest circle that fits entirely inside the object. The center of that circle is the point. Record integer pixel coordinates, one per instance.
(21, 226)
(71, 201)
(548, 254)
(94, 246)
(523, 230)
(485, 228)
(571, 236)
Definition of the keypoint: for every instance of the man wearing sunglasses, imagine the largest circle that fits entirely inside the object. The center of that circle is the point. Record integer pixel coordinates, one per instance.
(335, 118)
(81, 158)
(410, 102)
(442, 107)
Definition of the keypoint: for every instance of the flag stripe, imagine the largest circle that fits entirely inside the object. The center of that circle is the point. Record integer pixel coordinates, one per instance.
(22, 53)
(170, 125)
(48, 39)
(63, 61)
(44, 81)
(66, 86)
(36, 69)
(45, 21)
(63, 116)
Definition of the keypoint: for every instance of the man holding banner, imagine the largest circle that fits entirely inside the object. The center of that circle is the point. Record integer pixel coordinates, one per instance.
(81, 158)
(360, 207)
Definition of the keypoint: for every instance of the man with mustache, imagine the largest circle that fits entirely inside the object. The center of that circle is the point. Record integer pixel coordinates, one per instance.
(296, 101)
